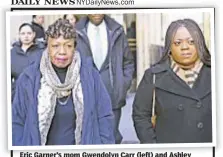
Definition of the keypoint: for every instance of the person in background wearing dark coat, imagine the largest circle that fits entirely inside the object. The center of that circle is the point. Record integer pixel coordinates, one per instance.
(37, 23)
(180, 87)
(24, 52)
(131, 31)
(73, 19)
(103, 39)
(131, 35)
(61, 100)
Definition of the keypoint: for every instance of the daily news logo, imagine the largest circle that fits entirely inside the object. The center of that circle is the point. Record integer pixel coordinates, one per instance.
(66, 2)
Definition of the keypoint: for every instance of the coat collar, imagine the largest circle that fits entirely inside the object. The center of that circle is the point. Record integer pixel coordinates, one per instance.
(170, 82)
(111, 24)
(203, 82)
(36, 45)
(37, 25)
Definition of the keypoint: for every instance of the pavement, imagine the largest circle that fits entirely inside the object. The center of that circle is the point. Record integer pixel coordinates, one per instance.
(126, 124)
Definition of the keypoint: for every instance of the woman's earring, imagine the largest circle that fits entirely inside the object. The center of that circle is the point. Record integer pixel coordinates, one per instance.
(169, 53)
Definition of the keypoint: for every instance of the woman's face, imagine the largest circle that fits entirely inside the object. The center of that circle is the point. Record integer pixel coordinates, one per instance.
(183, 48)
(26, 35)
(71, 19)
(61, 51)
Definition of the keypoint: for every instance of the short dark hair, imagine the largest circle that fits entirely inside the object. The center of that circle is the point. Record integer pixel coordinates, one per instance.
(26, 24)
(61, 27)
(75, 16)
(196, 34)
(34, 16)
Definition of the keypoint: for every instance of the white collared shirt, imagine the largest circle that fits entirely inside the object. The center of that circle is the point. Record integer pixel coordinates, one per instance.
(91, 32)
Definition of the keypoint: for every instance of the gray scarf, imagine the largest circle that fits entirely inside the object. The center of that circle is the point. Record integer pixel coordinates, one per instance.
(51, 89)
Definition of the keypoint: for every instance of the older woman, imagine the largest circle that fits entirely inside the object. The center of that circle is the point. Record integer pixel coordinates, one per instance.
(61, 100)
(177, 90)
(24, 52)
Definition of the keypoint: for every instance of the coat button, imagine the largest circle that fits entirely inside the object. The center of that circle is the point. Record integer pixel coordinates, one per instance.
(199, 104)
(180, 107)
(200, 125)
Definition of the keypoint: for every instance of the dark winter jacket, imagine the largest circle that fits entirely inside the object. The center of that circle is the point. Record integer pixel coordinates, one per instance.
(184, 114)
(120, 61)
(20, 59)
(97, 119)
(39, 30)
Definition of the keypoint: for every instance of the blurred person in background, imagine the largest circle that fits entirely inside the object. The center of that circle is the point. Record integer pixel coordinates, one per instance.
(131, 35)
(24, 52)
(131, 30)
(38, 21)
(73, 19)
(103, 39)
(173, 103)
(61, 100)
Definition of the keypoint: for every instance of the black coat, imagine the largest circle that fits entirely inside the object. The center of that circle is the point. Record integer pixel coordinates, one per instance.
(184, 114)
(20, 60)
(120, 63)
(39, 30)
